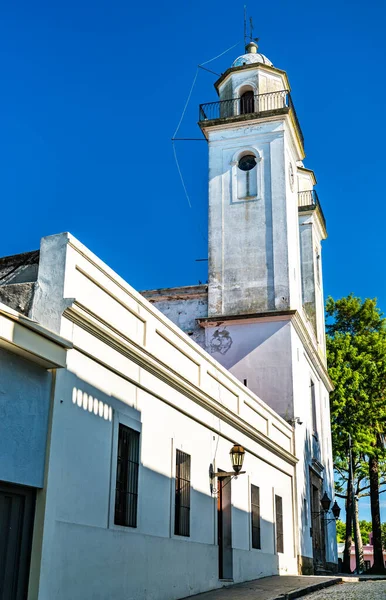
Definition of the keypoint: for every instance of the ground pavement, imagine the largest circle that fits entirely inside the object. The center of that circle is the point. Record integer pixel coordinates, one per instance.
(363, 590)
(270, 588)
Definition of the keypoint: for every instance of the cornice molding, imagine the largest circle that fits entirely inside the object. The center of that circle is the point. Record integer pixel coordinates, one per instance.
(252, 67)
(282, 114)
(20, 335)
(91, 323)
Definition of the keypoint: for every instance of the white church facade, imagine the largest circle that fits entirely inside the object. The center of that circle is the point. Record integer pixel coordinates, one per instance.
(123, 411)
(262, 313)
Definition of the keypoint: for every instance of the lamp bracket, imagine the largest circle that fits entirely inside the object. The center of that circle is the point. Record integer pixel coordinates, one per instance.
(222, 474)
(323, 513)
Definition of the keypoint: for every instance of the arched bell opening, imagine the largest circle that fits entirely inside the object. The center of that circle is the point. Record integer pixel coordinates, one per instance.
(247, 102)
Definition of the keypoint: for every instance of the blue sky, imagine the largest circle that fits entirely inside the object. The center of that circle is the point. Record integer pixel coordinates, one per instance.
(91, 93)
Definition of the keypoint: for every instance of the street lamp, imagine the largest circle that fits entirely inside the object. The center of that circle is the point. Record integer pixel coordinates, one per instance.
(237, 454)
(336, 510)
(325, 504)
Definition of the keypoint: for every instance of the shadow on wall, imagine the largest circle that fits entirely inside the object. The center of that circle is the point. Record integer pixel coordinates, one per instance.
(86, 555)
(231, 344)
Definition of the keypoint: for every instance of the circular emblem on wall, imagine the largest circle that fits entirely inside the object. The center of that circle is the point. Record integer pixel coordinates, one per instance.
(291, 177)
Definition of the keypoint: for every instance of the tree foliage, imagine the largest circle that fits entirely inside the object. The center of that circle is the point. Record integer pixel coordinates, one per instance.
(340, 531)
(356, 353)
(365, 527)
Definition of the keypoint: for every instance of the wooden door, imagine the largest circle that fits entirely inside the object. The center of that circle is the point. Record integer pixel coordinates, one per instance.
(17, 507)
(224, 528)
(318, 533)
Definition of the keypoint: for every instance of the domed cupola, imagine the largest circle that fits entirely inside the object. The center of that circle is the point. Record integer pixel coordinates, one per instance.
(251, 57)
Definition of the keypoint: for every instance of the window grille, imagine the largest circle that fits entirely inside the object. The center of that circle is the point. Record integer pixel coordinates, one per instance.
(182, 497)
(255, 516)
(126, 489)
(279, 524)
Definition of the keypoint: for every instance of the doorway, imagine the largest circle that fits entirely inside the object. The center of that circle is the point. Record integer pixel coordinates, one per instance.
(247, 102)
(224, 527)
(318, 525)
(17, 508)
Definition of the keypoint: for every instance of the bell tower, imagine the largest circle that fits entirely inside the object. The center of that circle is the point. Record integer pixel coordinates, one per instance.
(265, 320)
(255, 145)
(262, 316)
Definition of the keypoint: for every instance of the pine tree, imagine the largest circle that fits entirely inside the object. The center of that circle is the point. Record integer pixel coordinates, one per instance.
(356, 352)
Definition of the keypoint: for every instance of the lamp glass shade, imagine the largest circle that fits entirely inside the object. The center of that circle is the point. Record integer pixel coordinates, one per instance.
(336, 510)
(237, 457)
(325, 502)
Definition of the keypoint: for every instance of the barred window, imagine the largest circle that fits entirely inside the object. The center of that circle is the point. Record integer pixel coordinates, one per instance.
(279, 524)
(126, 489)
(182, 497)
(255, 516)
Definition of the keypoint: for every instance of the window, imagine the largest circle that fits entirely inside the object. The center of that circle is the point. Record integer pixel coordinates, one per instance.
(247, 103)
(126, 489)
(247, 177)
(279, 524)
(313, 408)
(182, 498)
(255, 516)
(247, 162)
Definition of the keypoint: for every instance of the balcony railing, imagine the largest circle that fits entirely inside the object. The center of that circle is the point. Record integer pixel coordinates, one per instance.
(259, 103)
(309, 199)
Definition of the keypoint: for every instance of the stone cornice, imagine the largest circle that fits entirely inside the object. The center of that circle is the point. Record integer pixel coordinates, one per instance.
(256, 66)
(310, 171)
(22, 336)
(284, 114)
(91, 323)
(188, 292)
(147, 306)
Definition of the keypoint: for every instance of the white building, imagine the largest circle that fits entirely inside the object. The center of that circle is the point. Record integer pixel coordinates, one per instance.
(128, 427)
(262, 314)
(126, 436)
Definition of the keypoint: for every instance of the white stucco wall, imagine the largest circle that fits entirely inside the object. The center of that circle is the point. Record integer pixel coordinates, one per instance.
(259, 352)
(272, 358)
(248, 251)
(311, 447)
(24, 409)
(131, 365)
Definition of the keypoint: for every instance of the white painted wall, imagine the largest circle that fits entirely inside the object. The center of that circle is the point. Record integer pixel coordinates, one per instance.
(131, 364)
(270, 355)
(24, 408)
(248, 240)
(310, 447)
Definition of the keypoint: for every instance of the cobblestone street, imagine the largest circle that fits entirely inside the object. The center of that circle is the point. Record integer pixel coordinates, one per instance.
(364, 590)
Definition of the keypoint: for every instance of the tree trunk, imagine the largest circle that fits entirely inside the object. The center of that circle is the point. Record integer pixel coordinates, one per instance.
(361, 565)
(378, 566)
(347, 546)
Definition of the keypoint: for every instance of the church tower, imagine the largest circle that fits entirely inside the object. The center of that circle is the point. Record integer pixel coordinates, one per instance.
(262, 313)
(256, 150)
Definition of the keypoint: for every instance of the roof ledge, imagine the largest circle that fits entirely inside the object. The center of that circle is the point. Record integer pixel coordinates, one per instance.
(27, 338)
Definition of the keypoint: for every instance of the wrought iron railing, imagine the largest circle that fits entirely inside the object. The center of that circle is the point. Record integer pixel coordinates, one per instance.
(259, 103)
(310, 199)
